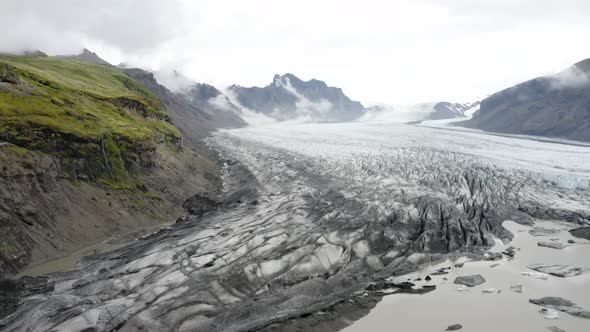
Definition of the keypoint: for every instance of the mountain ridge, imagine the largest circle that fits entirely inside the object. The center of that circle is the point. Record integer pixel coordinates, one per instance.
(555, 106)
(287, 97)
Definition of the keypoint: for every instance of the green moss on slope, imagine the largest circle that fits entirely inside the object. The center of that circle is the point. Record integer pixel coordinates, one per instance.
(81, 111)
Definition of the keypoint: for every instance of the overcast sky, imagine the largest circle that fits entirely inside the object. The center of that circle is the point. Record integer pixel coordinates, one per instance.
(394, 51)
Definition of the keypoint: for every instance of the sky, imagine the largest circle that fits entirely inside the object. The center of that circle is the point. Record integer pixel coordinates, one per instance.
(395, 51)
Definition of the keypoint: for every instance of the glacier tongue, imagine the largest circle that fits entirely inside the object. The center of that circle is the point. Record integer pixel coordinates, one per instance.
(311, 215)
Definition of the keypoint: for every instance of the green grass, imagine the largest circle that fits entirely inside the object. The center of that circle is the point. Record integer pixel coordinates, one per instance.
(82, 111)
(85, 100)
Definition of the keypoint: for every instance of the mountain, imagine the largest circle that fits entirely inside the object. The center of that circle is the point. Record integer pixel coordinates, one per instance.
(87, 56)
(288, 97)
(446, 110)
(87, 153)
(418, 112)
(553, 106)
(197, 111)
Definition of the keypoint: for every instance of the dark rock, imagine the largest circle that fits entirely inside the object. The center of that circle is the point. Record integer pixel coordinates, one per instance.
(12, 291)
(454, 327)
(441, 271)
(35, 53)
(571, 241)
(510, 251)
(199, 205)
(8, 74)
(469, 281)
(492, 256)
(428, 278)
(582, 233)
(459, 265)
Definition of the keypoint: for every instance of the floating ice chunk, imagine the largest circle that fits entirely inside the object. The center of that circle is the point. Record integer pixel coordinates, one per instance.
(491, 291)
(462, 288)
(562, 271)
(550, 313)
(538, 275)
(516, 288)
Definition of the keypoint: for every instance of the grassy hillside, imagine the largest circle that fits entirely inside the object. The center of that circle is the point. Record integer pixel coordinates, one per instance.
(72, 97)
(86, 154)
(80, 110)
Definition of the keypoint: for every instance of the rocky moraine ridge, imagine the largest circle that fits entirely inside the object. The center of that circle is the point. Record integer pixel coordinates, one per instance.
(296, 240)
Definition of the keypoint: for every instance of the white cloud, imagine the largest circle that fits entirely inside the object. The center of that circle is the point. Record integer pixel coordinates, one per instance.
(572, 77)
(66, 26)
(394, 51)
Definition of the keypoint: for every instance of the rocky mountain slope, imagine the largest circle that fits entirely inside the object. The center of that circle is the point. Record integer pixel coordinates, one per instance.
(288, 97)
(446, 110)
(87, 152)
(553, 106)
(196, 112)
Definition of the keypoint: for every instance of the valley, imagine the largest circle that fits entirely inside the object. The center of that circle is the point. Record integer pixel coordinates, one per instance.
(313, 222)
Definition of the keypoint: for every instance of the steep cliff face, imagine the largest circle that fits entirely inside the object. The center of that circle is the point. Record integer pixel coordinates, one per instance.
(86, 152)
(552, 106)
(288, 97)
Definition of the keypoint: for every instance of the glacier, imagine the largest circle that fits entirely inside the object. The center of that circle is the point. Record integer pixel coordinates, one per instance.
(311, 216)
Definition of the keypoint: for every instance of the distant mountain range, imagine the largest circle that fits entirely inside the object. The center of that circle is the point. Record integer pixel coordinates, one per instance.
(418, 112)
(288, 97)
(553, 106)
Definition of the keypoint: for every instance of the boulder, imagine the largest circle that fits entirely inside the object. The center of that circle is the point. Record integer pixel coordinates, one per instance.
(199, 205)
(492, 256)
(470, 281)
(582, 233)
